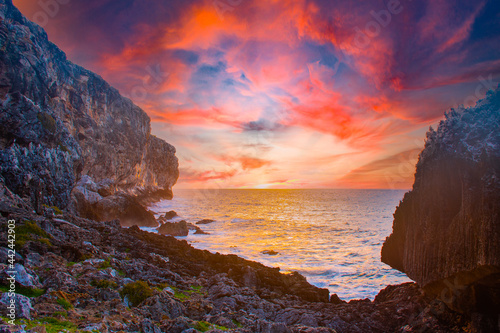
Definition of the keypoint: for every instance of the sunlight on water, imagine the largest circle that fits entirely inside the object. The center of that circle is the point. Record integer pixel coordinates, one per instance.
(332, 237)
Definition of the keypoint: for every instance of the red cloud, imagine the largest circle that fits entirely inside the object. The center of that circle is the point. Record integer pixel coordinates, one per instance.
(193, 176)
(247, 162)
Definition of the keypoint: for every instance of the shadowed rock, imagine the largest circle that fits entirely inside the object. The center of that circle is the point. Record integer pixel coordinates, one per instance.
(205, 221)
(446, 232)
(174, 228)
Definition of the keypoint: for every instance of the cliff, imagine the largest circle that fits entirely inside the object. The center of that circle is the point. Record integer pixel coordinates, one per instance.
(60, 122)
(446, 231)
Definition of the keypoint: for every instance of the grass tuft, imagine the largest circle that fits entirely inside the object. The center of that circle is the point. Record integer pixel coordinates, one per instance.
(137, 292)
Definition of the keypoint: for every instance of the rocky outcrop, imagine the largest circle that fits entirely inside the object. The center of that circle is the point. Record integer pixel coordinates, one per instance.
(446, 232)
(99, 276)
(60, 122)
(174, 228)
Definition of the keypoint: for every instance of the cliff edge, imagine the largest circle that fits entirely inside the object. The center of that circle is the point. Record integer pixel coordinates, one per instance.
(446, 231)
(69, 139)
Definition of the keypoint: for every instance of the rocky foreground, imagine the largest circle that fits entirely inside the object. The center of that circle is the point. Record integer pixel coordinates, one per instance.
(81, 275)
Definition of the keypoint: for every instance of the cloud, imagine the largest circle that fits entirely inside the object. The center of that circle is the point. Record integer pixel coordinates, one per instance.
(188, 175)
(393, 172)
(246, 162)
(246, 87)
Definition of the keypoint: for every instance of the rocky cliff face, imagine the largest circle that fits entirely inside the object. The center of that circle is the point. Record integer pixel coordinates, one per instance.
(60, 122)
(446, 232)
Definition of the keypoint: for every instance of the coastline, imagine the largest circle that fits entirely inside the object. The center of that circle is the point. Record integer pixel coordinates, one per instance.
(80, 265)
(314, 232)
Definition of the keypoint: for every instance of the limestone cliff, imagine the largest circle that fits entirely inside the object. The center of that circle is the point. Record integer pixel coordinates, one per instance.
(446, 232)
(60, 122)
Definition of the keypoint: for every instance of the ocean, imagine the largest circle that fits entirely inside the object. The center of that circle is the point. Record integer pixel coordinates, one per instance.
(332, 237)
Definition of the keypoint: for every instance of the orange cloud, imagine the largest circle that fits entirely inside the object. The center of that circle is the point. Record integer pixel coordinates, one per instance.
(393, 172)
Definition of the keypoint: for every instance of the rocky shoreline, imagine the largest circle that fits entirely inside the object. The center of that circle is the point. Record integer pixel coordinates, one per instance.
(78, 163)
(88, 276)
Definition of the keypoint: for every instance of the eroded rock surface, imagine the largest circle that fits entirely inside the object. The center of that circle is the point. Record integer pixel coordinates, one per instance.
(446, 232)
(60, 122)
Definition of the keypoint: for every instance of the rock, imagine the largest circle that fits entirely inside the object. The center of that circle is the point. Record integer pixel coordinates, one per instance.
(250, 277)
(201, 232)
(148, 327)
(178, 325)
(60, 122)
(163, 305)
(4, 255)
(198, 230)
(124, 208)
(270, 252)
(20, 303)
(33, 259)
(120, 206)
(106, 187)
(446, 231)
(24, 278)
(205, 221)
(174, 229)
(335, 299)
(170, 215)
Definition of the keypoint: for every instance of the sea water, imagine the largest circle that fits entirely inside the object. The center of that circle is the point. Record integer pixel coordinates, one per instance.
(332, 237)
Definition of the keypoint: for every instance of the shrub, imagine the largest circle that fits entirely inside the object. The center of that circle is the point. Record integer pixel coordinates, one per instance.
(105, 264)
(64, 303)
(48, 122)
(26, 291)
(104, 284)
(137, 292)
(31, 231)
(204, 326)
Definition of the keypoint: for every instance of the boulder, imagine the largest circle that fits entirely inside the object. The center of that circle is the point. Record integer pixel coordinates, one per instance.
(205, 221)
(91, 204)
(170, 215)
(174, 229)
(22, 305)
(270, 252)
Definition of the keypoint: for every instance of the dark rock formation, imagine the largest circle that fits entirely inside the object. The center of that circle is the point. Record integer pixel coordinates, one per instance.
(60, 122)
(270, 252)
(446, 232)
(169, 215)
(205, 221)
(174, 228)
(198, 230)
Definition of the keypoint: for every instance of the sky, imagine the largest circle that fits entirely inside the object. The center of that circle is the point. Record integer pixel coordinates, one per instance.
(289, 93)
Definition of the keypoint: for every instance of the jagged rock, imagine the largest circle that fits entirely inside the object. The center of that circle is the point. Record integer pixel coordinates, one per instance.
(197, 230)
(148, 327)
(205, 221)
(270, 252)
(22, 305)
(124, 208)
(446, 232)
(170, 215)
(163, 305)
(174, 229)
(335, 299)
(4, 255)
(60, 122)
(24, 278)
